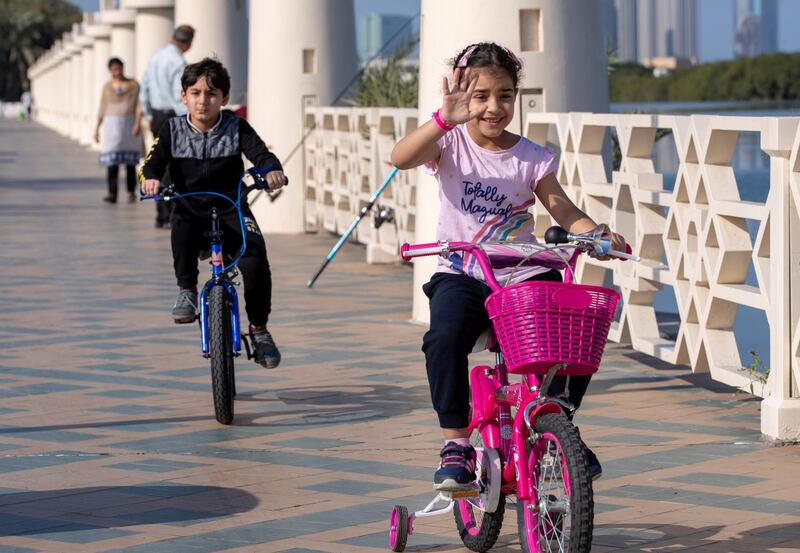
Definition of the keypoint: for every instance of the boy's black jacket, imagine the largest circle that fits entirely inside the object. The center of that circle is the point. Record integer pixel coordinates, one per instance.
(206, 161)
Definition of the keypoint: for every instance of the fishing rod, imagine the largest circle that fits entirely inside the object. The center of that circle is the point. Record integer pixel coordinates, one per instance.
(384, 215)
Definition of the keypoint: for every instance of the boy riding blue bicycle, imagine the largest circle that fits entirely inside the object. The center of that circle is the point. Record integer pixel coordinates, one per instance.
(203, 152)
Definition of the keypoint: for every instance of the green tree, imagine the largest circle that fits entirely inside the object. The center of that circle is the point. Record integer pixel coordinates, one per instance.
(769, 77)
(27, 29)
(388, 83)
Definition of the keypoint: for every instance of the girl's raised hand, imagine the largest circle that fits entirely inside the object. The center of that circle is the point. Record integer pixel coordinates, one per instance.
(456, 99)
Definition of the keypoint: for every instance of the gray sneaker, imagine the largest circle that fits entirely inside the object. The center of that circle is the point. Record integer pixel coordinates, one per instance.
(185, 308)
(266, 352)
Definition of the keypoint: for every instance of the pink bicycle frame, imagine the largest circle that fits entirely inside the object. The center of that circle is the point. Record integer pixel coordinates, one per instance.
(493, 396)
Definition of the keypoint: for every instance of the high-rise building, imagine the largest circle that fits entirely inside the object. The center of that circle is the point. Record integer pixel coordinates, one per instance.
(610, 26)
(627, 36)
(756, 27)
(674, 27)
(375, 30)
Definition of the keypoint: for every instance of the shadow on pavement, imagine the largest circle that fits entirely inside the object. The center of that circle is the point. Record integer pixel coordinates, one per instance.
(173, 504)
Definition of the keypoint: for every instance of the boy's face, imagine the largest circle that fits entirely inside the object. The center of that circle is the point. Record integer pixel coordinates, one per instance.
(203, 102)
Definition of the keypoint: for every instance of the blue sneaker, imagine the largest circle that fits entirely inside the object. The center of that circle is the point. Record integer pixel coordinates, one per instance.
(265, 351)
(457, 468)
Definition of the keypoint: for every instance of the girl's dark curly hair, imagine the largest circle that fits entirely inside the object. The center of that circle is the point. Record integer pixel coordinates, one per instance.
(486, 54)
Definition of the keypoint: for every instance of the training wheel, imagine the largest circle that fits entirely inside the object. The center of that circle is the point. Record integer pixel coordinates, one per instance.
(398, 528)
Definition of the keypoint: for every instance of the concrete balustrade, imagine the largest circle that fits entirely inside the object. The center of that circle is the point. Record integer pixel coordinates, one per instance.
(346, 160)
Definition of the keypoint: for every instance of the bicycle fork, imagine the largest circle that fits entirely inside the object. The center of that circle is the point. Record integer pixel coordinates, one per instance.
(492, 400)
(219, 279)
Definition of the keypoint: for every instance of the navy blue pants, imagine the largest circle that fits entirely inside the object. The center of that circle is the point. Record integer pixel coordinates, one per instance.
(458, 318)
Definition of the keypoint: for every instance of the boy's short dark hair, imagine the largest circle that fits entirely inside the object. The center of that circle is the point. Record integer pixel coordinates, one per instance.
(115, 61)
(215, 73)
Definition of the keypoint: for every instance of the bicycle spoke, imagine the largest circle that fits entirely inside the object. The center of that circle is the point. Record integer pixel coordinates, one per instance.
(553, 515)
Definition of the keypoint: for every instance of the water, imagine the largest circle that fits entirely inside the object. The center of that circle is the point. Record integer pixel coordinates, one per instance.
(751, 167)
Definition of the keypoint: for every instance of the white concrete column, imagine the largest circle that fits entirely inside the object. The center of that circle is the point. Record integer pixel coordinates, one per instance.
(102, 53)
(301, 53)
(221, 32)
(77, 92)
(62, 77)
(154, 26)
(122, 37)
(43, 98)
(72, 70)
(45, 103)
(561, 48)
(780, 410)
(85, 127)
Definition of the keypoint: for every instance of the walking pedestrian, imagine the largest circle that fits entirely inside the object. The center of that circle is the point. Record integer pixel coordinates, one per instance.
(161, 94)
(118, 129)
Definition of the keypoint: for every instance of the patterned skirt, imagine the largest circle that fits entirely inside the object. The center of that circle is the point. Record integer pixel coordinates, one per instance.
(117, 144)
(109, 159)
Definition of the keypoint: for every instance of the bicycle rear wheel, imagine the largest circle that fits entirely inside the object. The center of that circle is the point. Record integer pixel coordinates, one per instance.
(560, 517)
(220, 352)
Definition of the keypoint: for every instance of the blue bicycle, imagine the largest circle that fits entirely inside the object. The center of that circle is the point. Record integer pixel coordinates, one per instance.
(220, 329)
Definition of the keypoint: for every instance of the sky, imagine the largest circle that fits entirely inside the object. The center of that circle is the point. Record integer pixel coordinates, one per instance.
(715, 33)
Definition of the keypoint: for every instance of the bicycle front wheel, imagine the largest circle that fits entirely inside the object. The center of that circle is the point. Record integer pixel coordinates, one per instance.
(220, 352)
(560, 516)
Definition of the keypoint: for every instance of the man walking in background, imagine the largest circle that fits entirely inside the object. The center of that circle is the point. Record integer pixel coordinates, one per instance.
(160, 95)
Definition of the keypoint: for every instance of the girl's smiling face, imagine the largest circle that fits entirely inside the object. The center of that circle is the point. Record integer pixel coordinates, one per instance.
(494, 90)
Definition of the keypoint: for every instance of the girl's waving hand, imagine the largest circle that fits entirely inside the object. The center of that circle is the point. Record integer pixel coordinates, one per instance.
(456, 99)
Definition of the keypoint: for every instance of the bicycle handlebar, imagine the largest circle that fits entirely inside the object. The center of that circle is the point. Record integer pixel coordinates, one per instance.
(259, 183)
(583, 244)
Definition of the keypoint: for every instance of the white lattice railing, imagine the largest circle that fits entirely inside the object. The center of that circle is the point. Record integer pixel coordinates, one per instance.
(346, 160)
(694, 238)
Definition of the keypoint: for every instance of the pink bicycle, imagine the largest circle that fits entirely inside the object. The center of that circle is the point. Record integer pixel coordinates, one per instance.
(543, 329)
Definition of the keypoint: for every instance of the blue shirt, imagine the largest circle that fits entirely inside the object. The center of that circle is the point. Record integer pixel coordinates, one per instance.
(161, 83)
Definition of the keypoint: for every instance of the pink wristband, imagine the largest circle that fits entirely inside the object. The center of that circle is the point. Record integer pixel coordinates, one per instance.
(440, 122)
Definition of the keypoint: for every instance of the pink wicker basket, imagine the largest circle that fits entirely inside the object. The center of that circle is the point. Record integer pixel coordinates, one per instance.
(540, 324)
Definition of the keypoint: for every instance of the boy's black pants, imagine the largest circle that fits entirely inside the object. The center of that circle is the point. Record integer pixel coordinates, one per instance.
(188, 239)
(458, 318)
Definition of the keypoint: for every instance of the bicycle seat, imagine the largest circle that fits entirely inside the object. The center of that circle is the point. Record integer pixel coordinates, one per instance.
(485, 341)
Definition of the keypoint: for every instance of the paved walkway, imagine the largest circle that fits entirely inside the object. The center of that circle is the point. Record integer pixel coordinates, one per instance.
(108, 442)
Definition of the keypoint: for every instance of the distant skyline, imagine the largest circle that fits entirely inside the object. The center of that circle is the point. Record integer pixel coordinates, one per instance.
(715, 33)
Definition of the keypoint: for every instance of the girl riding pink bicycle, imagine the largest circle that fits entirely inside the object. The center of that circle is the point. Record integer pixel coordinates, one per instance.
(488, 180)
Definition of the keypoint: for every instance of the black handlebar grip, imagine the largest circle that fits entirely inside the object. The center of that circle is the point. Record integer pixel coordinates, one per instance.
(556, 235)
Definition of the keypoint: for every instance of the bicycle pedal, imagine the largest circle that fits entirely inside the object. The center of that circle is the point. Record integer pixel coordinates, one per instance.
(185, 321)
(464, 494)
